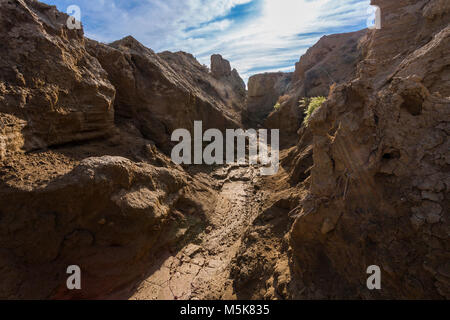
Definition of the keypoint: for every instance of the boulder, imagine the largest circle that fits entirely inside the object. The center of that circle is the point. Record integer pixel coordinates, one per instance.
(107, 216)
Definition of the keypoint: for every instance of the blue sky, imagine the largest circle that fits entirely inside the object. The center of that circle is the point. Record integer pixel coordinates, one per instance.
(255, 35)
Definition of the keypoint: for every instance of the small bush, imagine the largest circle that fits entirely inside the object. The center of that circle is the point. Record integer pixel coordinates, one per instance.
(311, 105)
(280, 102)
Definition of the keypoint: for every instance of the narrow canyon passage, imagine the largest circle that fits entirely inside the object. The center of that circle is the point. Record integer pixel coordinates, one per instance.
(201, 269)
(89, 183)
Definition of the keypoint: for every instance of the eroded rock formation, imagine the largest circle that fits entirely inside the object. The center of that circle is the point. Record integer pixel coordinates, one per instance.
(333, 59)
(160, 93)
(95, 191)
(108, 216)
(380, 183)
(221, 70)
(263, 93)
(51, 90)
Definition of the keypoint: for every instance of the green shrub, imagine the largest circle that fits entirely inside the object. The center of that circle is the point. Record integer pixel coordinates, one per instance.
(311, 105)
(281, 101)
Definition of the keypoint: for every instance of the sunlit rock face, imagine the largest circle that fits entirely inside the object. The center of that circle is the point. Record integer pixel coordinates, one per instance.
(263, 93)
(221, 70)
(160, 93)
(51, 90)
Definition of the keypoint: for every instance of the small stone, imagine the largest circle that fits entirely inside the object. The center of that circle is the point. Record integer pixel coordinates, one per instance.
(215, 263)
(327, 226)
(444, 270)
(432, 196)
(433, 217)
(198, 261)
(102, 221)
(432, 183)
(417, 220)
(192, 249)
(430, 210)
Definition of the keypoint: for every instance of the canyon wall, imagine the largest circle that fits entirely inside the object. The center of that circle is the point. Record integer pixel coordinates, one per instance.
(51, 90)
(379, 184)
(368, 181)
(263, 93)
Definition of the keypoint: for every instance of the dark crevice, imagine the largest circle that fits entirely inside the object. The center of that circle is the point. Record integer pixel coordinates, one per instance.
(395, 154)
(412, 104)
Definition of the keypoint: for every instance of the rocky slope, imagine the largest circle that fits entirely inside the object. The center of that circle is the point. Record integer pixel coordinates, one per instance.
(333, 59)
(160, 93)
(263, 93)
(368, 182)
(73, 102)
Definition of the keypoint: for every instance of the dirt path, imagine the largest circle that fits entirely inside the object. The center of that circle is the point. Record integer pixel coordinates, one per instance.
(201, 271)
